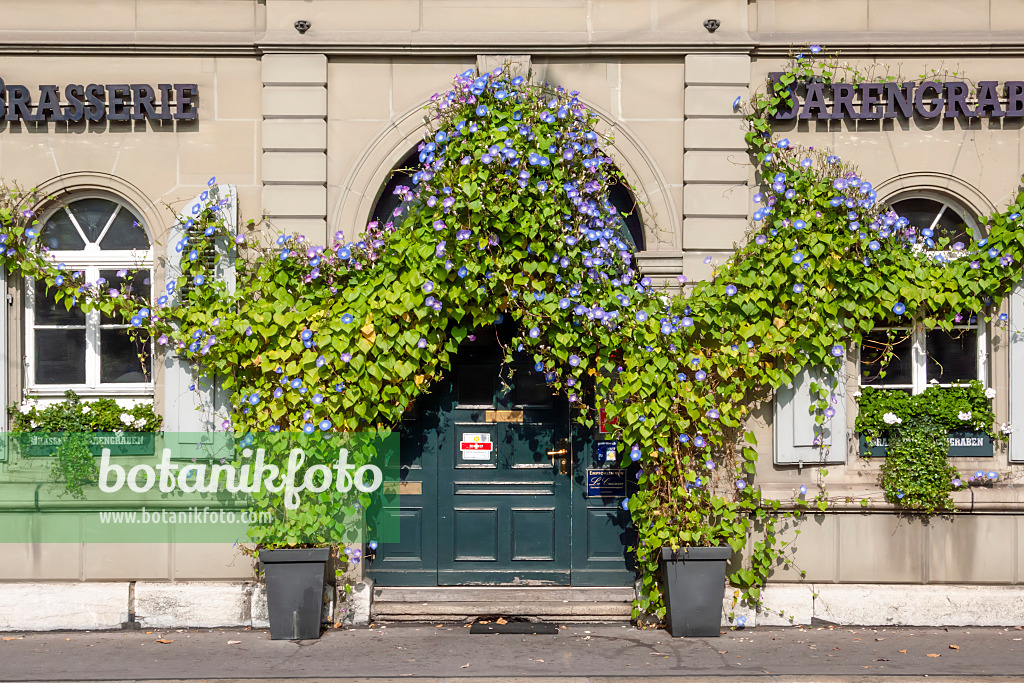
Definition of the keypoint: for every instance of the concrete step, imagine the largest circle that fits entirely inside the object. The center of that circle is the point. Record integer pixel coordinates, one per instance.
(462, 603)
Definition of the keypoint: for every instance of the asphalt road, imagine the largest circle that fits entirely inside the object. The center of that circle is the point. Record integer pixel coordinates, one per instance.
(587, 654)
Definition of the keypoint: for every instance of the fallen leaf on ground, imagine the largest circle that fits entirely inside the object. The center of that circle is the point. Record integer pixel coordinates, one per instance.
(539, 660)
(501, 620)
(165, 642)
(954, 647)
(12, 637)
(877, 639)
(464, 666)
(234, 642)
(933, 655)
(439, 626)
(903, 651)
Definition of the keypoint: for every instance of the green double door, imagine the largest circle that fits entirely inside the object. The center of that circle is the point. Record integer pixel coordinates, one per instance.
(495, 486)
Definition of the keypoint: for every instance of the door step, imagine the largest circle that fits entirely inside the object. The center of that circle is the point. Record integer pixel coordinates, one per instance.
(585, 605)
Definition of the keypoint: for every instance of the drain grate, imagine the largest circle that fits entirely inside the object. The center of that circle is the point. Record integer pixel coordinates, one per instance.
(515, 626)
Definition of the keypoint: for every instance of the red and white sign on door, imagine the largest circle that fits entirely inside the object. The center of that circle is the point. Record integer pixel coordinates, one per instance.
(476, 446)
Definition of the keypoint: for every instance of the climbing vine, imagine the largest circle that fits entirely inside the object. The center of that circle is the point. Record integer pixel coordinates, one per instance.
(508, 218)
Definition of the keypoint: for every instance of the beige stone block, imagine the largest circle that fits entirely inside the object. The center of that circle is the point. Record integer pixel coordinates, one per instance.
(315, 229)
(344, 15)
(182, 15)
(714, 100)
(813, 551)
(359, 89)
(294, 134)
(713, 233)
(127, 561)
(1006, 15)
(25, 157)
(194, 604)
(352, 142)
(714, 166)
(294, 69)
(150, 162)
(414, 81)
(689, 15)
(597, 80)
(239, 95)
(717, 69)
(715, 200)
(226, 149)
(622, 15)
(209, 562)
(34, 70)
(302, 101)
(972, 549)
(880, 549)
(70, 16)
(651, 90)
(698, 265)
(295, 200)
(25, 558)
(924, 15)
(663, 141)
(714, 134)
(294, 167)
(63, 606)
(527, 15)
(816, 16)
(87, 152)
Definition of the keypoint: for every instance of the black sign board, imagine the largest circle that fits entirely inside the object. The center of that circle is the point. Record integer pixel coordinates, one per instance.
(929, 99)
(961, 445)
(96, 102)
(606, 482)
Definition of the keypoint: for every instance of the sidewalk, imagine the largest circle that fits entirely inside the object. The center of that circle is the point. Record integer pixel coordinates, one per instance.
(577, 652)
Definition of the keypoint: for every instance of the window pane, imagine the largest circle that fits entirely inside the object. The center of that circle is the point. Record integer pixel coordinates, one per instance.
(952, 226)
(919, 211)
(530, 388)
(120, 357)
(138, 284)
(898, 368)
(476, 385)
(51, 312)
(126, 232)
(952, 356)
(92, 215)
(60, 233)
(60, 356)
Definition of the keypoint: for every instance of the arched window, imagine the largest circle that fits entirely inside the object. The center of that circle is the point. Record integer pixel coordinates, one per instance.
(940, 214)
(391, 207)
(104, 238)
(921, 357)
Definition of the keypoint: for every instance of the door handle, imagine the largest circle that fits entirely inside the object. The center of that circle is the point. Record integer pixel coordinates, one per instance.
(563, 457)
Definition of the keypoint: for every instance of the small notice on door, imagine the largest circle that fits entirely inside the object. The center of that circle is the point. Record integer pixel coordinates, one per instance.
(476, 446)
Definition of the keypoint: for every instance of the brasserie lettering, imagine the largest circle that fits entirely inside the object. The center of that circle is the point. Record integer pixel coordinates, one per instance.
(928, 99)
(96, 102)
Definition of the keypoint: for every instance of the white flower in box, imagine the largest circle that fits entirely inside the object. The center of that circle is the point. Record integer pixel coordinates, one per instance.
(964, 416)
(891, 419)
(1007, 428)
(990, 393)
(127, 419)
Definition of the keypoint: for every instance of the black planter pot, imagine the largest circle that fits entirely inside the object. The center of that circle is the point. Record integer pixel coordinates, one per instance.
(295, 591)
(694, 589)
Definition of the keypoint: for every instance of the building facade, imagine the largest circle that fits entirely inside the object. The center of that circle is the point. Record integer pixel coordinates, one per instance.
(306, 108)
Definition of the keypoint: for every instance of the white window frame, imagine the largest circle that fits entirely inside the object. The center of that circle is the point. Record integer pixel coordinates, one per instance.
(90, 261)
(919, 357)
(947, 203)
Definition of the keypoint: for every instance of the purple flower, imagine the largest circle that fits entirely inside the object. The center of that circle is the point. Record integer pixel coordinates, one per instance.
(899, 308)
(837, 350)
(730, 289)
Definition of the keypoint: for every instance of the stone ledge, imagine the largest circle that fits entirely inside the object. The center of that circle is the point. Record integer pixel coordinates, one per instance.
(63, 606)
(193, 604)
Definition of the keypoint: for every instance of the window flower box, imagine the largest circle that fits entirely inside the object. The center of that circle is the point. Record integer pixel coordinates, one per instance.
(36, 444)
(962, 444)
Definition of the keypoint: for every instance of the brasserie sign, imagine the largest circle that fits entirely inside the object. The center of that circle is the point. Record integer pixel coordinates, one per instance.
(928, 99)
(96, 102)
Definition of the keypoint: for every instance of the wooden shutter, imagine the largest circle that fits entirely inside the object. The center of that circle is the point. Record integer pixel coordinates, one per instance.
(795, 427)
(190, 414)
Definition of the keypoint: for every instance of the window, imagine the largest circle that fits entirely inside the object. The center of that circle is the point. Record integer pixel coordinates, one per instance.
(913, 358)
(942, 216)
(105, 239)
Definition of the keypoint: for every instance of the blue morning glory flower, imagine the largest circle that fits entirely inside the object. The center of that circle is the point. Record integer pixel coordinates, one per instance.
(481, 110)
(318, 399)
(700, 375)
(308, 428)
(799, 225)
(699, 441)
(463, 271)
(534, 332)
(254, 399)
(538, 367)
(325, 425)
(993, 252)
(873, 245)
(278, 392)
(784, 143)
(625, 503)
(198, 280)
(641, 316)
(736, 102)
(574, 360)
(59, 280)
(741, 484)
(803, 489)
(635, 454)
(306, 335)
(797, 288)
(899, 308)
(815, 49)
(798, 257)
(347, 318)
(295, 383)
(713, 414)
(730, 289)
(428, 287)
